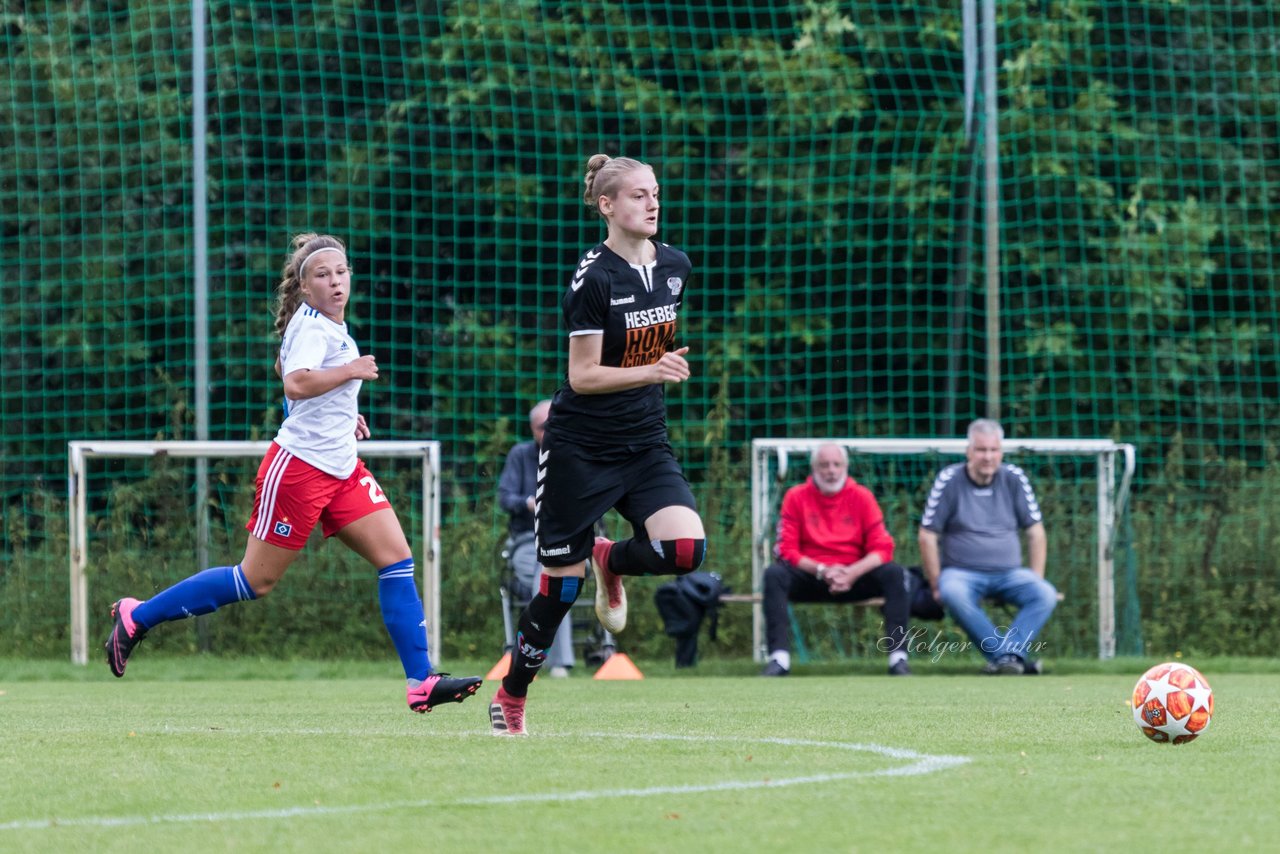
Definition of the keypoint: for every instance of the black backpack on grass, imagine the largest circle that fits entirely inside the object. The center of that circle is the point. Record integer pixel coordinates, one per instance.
(683, 603)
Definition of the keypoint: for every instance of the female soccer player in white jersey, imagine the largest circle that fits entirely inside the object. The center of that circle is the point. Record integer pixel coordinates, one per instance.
(311, 474)
(606, 441)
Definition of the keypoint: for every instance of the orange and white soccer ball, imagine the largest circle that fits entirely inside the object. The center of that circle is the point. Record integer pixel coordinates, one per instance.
(1172, 703)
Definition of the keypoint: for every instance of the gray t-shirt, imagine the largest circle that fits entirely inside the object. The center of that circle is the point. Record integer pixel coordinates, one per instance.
(978, 526)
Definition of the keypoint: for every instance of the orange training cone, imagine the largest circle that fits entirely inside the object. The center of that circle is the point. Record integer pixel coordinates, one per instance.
(619, 666)
(500, 669)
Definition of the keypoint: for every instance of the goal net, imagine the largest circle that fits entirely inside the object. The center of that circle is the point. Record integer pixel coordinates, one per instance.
(144, 515)
(1082, 486)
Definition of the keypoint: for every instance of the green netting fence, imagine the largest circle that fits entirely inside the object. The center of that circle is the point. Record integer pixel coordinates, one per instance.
(816, 165)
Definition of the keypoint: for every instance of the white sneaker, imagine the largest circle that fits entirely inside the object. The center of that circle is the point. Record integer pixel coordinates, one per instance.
(611, 597)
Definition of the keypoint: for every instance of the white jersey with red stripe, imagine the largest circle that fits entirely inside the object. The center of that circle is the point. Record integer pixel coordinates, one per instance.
(320, 430)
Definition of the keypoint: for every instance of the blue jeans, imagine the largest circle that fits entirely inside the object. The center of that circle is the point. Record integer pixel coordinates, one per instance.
(962, 592)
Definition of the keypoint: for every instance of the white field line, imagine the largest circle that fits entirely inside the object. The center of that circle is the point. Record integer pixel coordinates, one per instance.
(915, 764)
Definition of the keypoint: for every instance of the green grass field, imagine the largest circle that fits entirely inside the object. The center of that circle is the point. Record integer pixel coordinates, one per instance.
(205, 754)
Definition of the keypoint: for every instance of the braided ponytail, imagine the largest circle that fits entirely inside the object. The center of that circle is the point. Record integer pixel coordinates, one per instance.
(289, 291)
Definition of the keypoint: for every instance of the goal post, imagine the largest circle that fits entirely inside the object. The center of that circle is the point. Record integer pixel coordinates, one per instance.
(778, 464)
(81, 453)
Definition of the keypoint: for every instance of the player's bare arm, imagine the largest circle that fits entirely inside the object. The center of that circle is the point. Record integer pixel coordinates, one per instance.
(305, 384)
(588, 376)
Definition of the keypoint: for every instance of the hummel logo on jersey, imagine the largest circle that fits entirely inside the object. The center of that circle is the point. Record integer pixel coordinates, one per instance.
(542, 456)
(562, 550)
(283, 529)
(627, 300)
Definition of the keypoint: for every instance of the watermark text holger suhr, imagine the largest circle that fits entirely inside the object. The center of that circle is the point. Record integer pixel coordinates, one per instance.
(938, 645)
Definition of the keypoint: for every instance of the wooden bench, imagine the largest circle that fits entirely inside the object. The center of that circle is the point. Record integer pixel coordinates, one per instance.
(753, 598)
(873, 602)
(756, 598)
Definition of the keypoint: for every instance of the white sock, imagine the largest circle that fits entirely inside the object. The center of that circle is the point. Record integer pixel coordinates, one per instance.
(896, 656)
(782, 657)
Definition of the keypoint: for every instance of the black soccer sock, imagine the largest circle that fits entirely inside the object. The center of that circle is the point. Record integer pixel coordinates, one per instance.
(537, 629)
(656, 557)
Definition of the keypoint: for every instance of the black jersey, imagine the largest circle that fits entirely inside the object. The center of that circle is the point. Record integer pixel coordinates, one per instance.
(636, 309)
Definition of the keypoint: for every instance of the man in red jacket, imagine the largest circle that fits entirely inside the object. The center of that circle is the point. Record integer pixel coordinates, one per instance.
(833, 547)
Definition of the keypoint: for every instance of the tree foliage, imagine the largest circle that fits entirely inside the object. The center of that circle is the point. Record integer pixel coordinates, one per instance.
(815, 161)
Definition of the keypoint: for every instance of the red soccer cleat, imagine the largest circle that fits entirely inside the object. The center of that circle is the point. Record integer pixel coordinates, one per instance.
(506, 713)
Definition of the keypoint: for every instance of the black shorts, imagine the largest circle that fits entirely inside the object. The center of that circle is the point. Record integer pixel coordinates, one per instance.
(578, 487)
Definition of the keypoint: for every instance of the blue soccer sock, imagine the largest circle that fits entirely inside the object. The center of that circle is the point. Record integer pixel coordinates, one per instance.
(202, 593)
(402, 613)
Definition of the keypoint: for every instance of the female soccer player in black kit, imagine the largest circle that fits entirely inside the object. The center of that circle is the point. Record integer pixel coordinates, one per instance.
(606, 440)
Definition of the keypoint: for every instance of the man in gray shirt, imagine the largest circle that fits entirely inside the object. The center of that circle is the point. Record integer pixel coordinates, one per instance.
(970, 548)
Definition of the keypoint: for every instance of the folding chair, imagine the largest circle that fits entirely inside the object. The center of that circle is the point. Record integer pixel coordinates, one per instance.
(595, 642)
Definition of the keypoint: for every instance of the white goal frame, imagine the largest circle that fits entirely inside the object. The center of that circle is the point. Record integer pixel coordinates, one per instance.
(1112, 496)
(80, 452)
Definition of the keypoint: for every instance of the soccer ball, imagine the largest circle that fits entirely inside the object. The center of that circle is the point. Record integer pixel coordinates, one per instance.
(1172, 703)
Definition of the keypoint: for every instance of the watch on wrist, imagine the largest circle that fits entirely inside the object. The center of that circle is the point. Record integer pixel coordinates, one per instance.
(821, 571)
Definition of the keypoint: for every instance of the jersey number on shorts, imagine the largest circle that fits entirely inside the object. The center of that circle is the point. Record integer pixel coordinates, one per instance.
(375, 491)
